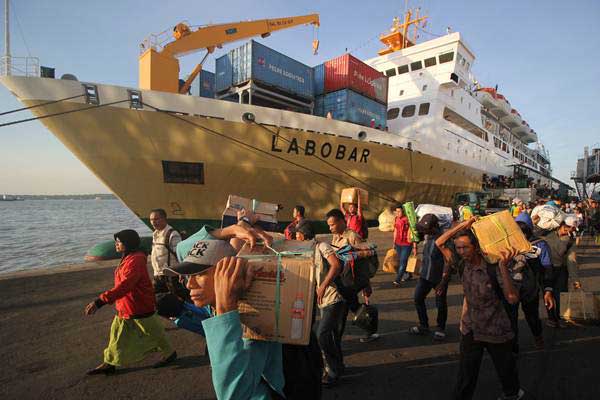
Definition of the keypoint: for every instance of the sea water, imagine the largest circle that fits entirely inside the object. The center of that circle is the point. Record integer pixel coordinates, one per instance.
(51, 233)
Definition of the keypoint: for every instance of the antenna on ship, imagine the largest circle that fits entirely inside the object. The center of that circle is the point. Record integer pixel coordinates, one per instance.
(6, 40)
(398, 38)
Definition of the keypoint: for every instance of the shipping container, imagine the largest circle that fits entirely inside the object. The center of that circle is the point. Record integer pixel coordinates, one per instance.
(256, 62)
(204, 85)
(347, 105)
(223, 74)
(319, 78)
(348, 72)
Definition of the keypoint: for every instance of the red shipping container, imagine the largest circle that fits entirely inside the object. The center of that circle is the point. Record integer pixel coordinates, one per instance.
(348, 72)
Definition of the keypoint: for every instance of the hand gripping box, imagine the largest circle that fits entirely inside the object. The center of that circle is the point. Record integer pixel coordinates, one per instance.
(279, 303)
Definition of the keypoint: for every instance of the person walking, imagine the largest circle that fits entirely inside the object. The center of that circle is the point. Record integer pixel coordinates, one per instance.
(432, 267)
(136, 330)
(402, 245)
(485, 322)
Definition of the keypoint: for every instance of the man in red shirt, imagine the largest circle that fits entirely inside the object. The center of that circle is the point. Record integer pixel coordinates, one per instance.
(402, 245)
(354, 217)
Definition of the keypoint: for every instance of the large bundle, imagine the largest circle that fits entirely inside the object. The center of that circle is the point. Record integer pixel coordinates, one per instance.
(550, 217)
(498, 233)
(409, 211)
(265, 213)
(386, 220)
(444, 214)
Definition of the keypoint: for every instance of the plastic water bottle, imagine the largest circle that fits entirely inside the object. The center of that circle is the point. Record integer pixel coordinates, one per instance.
(297, 317)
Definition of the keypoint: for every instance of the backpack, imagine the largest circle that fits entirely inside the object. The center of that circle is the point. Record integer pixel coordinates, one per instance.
(359, 266)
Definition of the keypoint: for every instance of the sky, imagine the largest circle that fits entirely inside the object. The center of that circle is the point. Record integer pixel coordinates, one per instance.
(544, 55)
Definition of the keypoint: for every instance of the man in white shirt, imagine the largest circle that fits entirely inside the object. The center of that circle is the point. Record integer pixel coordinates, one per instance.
(164, 245)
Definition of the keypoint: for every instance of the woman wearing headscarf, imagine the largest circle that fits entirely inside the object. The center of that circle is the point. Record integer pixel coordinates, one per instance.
(136, 330)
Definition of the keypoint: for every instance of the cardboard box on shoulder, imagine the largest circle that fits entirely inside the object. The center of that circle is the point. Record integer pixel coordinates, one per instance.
(350, 196)
(290, 322)
(497, 233)
(266, 212)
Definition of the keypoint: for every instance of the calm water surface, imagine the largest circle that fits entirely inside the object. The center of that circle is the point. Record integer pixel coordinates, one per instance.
(51, 233)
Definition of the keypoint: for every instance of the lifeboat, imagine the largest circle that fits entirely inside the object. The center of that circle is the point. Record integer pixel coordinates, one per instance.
(522, 129)
(512, 120)
(531, 137)
(503, 107)
(486, 97)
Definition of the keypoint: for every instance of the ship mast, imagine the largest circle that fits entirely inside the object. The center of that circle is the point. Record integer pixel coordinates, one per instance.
(398, 38)
(6, 40)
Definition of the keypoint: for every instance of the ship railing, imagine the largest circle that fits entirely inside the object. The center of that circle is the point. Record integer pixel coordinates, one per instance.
(20, 66)
(157, 41)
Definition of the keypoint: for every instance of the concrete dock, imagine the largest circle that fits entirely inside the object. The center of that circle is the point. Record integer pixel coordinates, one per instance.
(47, 344)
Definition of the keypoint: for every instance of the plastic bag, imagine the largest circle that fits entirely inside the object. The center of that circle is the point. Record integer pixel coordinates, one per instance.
(444, 214)
(390, 262)
(386, 221)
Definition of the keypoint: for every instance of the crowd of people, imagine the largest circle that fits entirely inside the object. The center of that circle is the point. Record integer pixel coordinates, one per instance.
(197, 283)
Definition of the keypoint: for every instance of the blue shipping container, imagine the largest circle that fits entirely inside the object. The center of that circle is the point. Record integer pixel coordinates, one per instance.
(319, 86)
(254, 61)
(347, 105)
(223, 74)
(204, 85)
(319, 104)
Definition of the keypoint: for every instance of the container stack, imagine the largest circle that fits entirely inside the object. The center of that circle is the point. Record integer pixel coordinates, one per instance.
(349, 90)
(256, 74)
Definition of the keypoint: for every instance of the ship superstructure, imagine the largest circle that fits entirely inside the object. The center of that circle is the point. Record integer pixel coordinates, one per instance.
(186, 154)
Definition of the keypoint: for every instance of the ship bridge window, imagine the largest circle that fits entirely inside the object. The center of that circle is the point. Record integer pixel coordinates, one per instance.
(183, 172)
(430, 62)
(447, 57)
(408, 111)
(390, 72)
(403, 69)
(393, 113)
(424, 109)
(415, 66)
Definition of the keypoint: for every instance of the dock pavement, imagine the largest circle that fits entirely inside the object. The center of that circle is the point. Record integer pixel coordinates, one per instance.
(47, 344)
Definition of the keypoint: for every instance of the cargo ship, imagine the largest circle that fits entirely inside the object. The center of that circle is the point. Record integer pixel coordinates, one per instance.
(409, 124)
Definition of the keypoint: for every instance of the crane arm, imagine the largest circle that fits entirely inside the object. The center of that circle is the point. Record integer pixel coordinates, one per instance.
(217, 35)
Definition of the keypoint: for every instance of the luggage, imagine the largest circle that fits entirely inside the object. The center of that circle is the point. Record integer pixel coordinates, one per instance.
(350, 196)
(499, 232)
(550, 217)
(367, 318)
(413, 265)
(444, 214)
(359, 266)
(390, 262)
(386, 221)
(580, 305)
(409, 211)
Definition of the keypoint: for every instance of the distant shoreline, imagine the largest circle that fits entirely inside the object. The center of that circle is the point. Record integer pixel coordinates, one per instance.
(98, 196)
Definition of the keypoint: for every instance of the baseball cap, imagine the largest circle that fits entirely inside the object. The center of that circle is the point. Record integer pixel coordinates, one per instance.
(427, 223)
(203, 255)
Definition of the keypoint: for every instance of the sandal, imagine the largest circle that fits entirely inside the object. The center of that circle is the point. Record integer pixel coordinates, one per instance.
(418, 330)
(439, 335)
(104, 368)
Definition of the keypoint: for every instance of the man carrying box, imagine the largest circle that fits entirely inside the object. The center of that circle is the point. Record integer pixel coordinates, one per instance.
(240, 368)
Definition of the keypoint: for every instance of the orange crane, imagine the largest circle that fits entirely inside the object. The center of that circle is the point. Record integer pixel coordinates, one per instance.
(159, 64)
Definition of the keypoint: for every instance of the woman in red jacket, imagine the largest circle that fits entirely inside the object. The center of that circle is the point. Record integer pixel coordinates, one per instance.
(136, 331)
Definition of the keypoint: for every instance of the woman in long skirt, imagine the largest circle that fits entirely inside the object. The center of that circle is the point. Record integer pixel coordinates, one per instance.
(136, 330)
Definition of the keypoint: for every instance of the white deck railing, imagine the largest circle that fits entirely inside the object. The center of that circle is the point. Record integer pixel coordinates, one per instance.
(21, 66)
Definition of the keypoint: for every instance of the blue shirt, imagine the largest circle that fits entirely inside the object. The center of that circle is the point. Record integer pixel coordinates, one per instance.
(432, 265)
(184, 247)
(241, 368)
